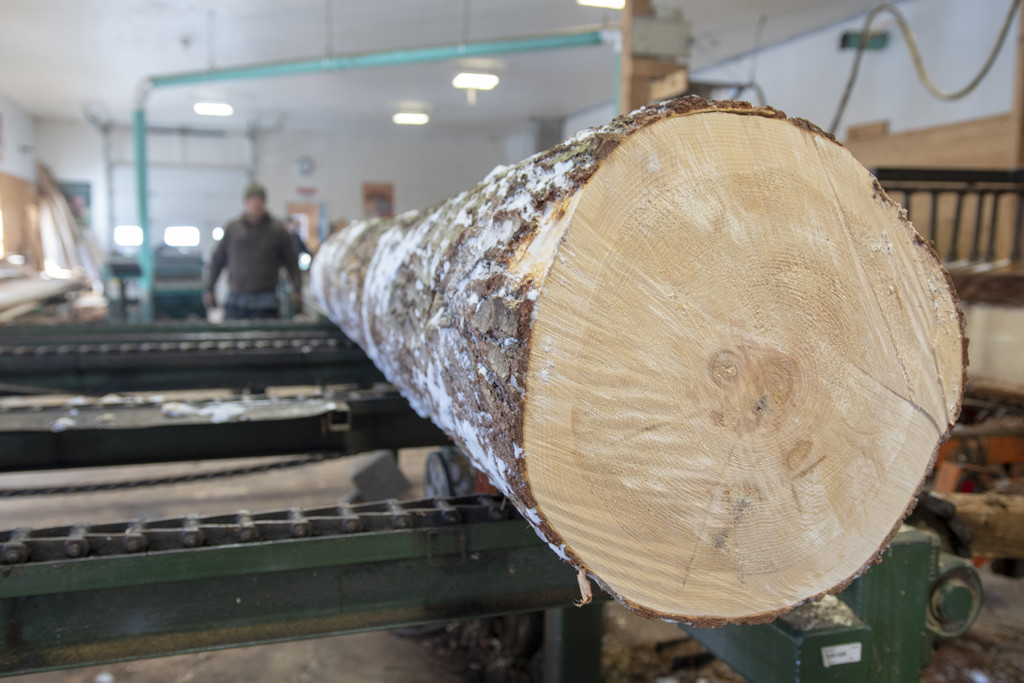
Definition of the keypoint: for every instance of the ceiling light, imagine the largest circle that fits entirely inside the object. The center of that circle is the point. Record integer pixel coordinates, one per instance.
(213, 109)
(475, 81)
(181, 236)
(410, 118)
(128, 236)
(607, 4)
(218, 233)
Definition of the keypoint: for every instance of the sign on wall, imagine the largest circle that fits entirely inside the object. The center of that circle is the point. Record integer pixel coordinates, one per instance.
(378, 200)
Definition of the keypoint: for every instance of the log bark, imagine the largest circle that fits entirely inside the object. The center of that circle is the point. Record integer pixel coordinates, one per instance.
(699, 348)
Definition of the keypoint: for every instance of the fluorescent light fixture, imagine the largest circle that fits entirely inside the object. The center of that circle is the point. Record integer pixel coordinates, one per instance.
(606, 4)
(181, 236)
(218, 234)
(475, 81)
(410, 118)
(213, 109)
(128, 236)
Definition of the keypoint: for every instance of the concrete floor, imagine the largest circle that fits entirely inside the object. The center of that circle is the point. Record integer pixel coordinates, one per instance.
(635, 650)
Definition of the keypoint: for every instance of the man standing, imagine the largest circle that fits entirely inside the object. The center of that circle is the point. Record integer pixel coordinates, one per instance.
(253, 249)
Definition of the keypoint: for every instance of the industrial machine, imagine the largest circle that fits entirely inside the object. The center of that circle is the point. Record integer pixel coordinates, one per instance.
(177, 284)
(78, 594)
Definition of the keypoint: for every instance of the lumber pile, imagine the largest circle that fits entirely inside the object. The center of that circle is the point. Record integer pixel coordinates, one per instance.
(66, 246)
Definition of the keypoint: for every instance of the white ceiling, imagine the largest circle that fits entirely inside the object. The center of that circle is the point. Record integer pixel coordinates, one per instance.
(58, 57)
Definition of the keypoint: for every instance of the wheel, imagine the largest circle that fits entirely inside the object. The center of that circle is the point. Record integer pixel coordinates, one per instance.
(436, 482)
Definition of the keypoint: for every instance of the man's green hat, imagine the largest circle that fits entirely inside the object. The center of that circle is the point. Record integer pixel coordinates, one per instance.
(255, 189)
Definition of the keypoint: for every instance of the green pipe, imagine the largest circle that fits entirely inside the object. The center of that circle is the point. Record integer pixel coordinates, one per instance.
(142, 196)
(368, 60)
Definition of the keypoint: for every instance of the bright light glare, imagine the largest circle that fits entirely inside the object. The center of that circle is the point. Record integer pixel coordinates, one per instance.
(181, 236)
(607, 4)
(128, 236)
(304, 261)
(475, 81)
(213, 109)
(218, 234)
(410, 118)
(16, 259)
(54, 271)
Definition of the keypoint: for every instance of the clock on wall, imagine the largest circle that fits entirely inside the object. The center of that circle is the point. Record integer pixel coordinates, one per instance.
(304, 165)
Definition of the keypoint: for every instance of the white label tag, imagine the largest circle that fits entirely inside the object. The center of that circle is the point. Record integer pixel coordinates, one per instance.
(840, 654)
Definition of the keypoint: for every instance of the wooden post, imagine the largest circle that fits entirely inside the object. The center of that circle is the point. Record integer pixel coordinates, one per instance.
(1017, 112)
(636, 71)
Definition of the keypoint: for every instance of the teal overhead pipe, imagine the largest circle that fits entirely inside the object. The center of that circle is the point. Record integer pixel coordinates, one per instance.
(369, 60)
(366, 60)
(146, 259)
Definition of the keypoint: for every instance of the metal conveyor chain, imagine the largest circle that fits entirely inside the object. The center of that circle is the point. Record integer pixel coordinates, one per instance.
(167, 481)
(77, 542)
(113, 359)
(302, 343)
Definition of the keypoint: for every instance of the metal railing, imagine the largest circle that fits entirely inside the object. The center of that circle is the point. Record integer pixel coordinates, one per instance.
(973, 217)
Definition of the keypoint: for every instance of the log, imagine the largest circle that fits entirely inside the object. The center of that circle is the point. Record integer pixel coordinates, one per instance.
(699, 348)
(996, 522)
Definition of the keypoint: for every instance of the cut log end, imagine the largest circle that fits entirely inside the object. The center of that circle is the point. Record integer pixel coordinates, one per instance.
(742, 362)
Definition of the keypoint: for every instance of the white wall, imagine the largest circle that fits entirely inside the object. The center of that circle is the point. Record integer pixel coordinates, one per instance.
(72, 150)
(805, 76)
(995, 333)
(196, 149)
(587, 118)
(519, 146)
(194, 180)
(205, 197)
(17, 141)
(425, 167)
(198, 180)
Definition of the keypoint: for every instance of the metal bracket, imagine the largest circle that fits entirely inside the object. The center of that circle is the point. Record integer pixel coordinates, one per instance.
(446, 547)
(339, 419)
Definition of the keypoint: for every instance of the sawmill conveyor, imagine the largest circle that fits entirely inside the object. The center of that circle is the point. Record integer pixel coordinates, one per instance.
(79, 594)
(104, 358)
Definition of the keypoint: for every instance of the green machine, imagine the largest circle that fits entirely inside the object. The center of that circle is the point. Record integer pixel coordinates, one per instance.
(177, 284)
(883, 627)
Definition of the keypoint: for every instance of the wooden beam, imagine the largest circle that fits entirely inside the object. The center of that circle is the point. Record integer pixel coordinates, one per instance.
(868, 131)
(674, 84)
(637, 71)
(978, 143)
